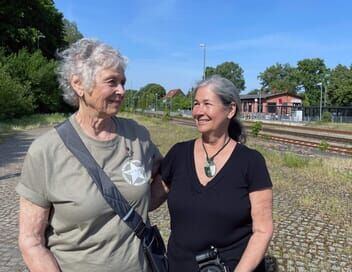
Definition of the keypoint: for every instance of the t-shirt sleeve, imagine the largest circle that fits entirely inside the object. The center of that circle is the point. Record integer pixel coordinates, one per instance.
(258, 174)
(32, 184)
(167, 165)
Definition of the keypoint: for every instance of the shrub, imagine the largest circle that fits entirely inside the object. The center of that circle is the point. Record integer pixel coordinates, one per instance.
(35, 71)
(15, 98)
(326, 117)
(323, 145)
(166, 116)
(256, 128)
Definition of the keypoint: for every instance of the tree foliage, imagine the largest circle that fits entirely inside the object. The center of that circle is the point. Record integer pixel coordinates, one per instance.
(340, 86)
(34, 80)
(130, 100)
(38, 73)
(71, 31)
(230, 70)
(15, 97)
(278, 78)
(31, 24)
(310, 73)
(152, 89)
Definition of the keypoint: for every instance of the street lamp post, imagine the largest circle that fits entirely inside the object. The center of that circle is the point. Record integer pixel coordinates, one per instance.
(156, 101)
(260, 100)
(39, 37)
(321, 99)
(203, 45)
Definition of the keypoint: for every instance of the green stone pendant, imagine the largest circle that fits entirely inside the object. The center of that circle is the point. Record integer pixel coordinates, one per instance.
(209, 168)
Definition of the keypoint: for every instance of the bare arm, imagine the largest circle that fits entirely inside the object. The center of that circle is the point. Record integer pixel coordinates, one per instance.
(159, 192)
(33, 221)
(261, 212)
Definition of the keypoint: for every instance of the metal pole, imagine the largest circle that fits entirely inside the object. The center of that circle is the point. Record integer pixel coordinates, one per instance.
(156, 102)
(321, 99)
(203, 45)
(325, 94)
(39, 37)
(192, 98)
(260, 100)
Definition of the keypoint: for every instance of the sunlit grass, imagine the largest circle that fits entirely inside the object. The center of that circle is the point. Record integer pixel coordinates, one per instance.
(321, 185)
(163, 133)
(329, 125)
(28, 122)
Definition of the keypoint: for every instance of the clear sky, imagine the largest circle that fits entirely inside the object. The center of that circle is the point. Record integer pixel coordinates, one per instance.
(161, 38)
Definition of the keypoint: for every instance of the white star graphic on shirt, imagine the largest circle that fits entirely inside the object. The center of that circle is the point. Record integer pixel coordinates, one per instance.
(133, 172)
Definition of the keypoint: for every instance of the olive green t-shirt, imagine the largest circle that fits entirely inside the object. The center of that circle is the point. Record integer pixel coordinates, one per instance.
(84, 233)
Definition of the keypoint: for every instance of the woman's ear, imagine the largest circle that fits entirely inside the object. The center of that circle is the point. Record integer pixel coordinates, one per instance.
(232, 111)
(77, 85)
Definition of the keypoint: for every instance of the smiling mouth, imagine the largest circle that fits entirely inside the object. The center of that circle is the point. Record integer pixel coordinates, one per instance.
(202, 121)
(115, 101)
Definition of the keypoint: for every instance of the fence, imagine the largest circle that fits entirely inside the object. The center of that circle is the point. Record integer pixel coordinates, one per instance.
(301, 114)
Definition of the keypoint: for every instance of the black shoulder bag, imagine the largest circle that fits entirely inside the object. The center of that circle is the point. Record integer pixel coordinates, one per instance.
(152, 242)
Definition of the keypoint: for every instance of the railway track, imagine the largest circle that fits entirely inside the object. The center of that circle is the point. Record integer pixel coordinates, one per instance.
(336, 141)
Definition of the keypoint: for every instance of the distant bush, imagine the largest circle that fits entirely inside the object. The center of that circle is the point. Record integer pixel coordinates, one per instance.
(326, 117)
(15, 98)
(28, 84)
(166, 116)
(256, 128)
(35, 71)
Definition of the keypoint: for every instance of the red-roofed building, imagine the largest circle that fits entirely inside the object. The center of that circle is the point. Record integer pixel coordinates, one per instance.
(173, 93)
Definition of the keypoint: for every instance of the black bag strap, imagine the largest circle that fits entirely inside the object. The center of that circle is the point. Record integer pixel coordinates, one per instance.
(109, 191)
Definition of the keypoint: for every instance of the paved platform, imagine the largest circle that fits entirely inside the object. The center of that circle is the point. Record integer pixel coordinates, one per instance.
(303, 241)
(12, 152)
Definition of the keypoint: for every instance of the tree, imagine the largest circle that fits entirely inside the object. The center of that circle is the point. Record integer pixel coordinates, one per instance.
(15, 98)
(32, 25)
(130, 100)
(38, 74)
(278, 78)
(340, 86)
(255, 91)
(310, 72)
(230, 70)
(181, 102)
(152, 89)
(209, 71)
(72, 33)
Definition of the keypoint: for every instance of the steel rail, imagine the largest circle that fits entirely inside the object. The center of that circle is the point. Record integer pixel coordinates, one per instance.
(330, 146)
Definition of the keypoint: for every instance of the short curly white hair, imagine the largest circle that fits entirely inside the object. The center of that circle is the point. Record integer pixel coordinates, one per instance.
(84, 59)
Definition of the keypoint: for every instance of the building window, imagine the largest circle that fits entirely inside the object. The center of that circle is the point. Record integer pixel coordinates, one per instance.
(271, 107)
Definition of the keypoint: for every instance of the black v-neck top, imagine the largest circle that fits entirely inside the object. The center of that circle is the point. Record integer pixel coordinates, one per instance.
(218, 213)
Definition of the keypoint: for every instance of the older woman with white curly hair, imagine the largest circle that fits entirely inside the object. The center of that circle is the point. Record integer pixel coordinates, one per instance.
(64, 222)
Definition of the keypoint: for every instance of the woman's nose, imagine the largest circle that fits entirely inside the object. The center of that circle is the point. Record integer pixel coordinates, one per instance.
(120, 89)
(197, 110)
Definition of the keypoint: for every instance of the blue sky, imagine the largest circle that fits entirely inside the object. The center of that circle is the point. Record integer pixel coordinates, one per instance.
(161, 38)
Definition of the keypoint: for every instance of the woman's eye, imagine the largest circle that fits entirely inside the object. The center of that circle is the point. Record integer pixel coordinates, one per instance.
(112, 82)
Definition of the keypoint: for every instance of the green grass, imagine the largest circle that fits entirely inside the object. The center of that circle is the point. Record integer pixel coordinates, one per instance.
(322, 185)
(163, 133)
(28, 122)
(292, 160)
(330, 125)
